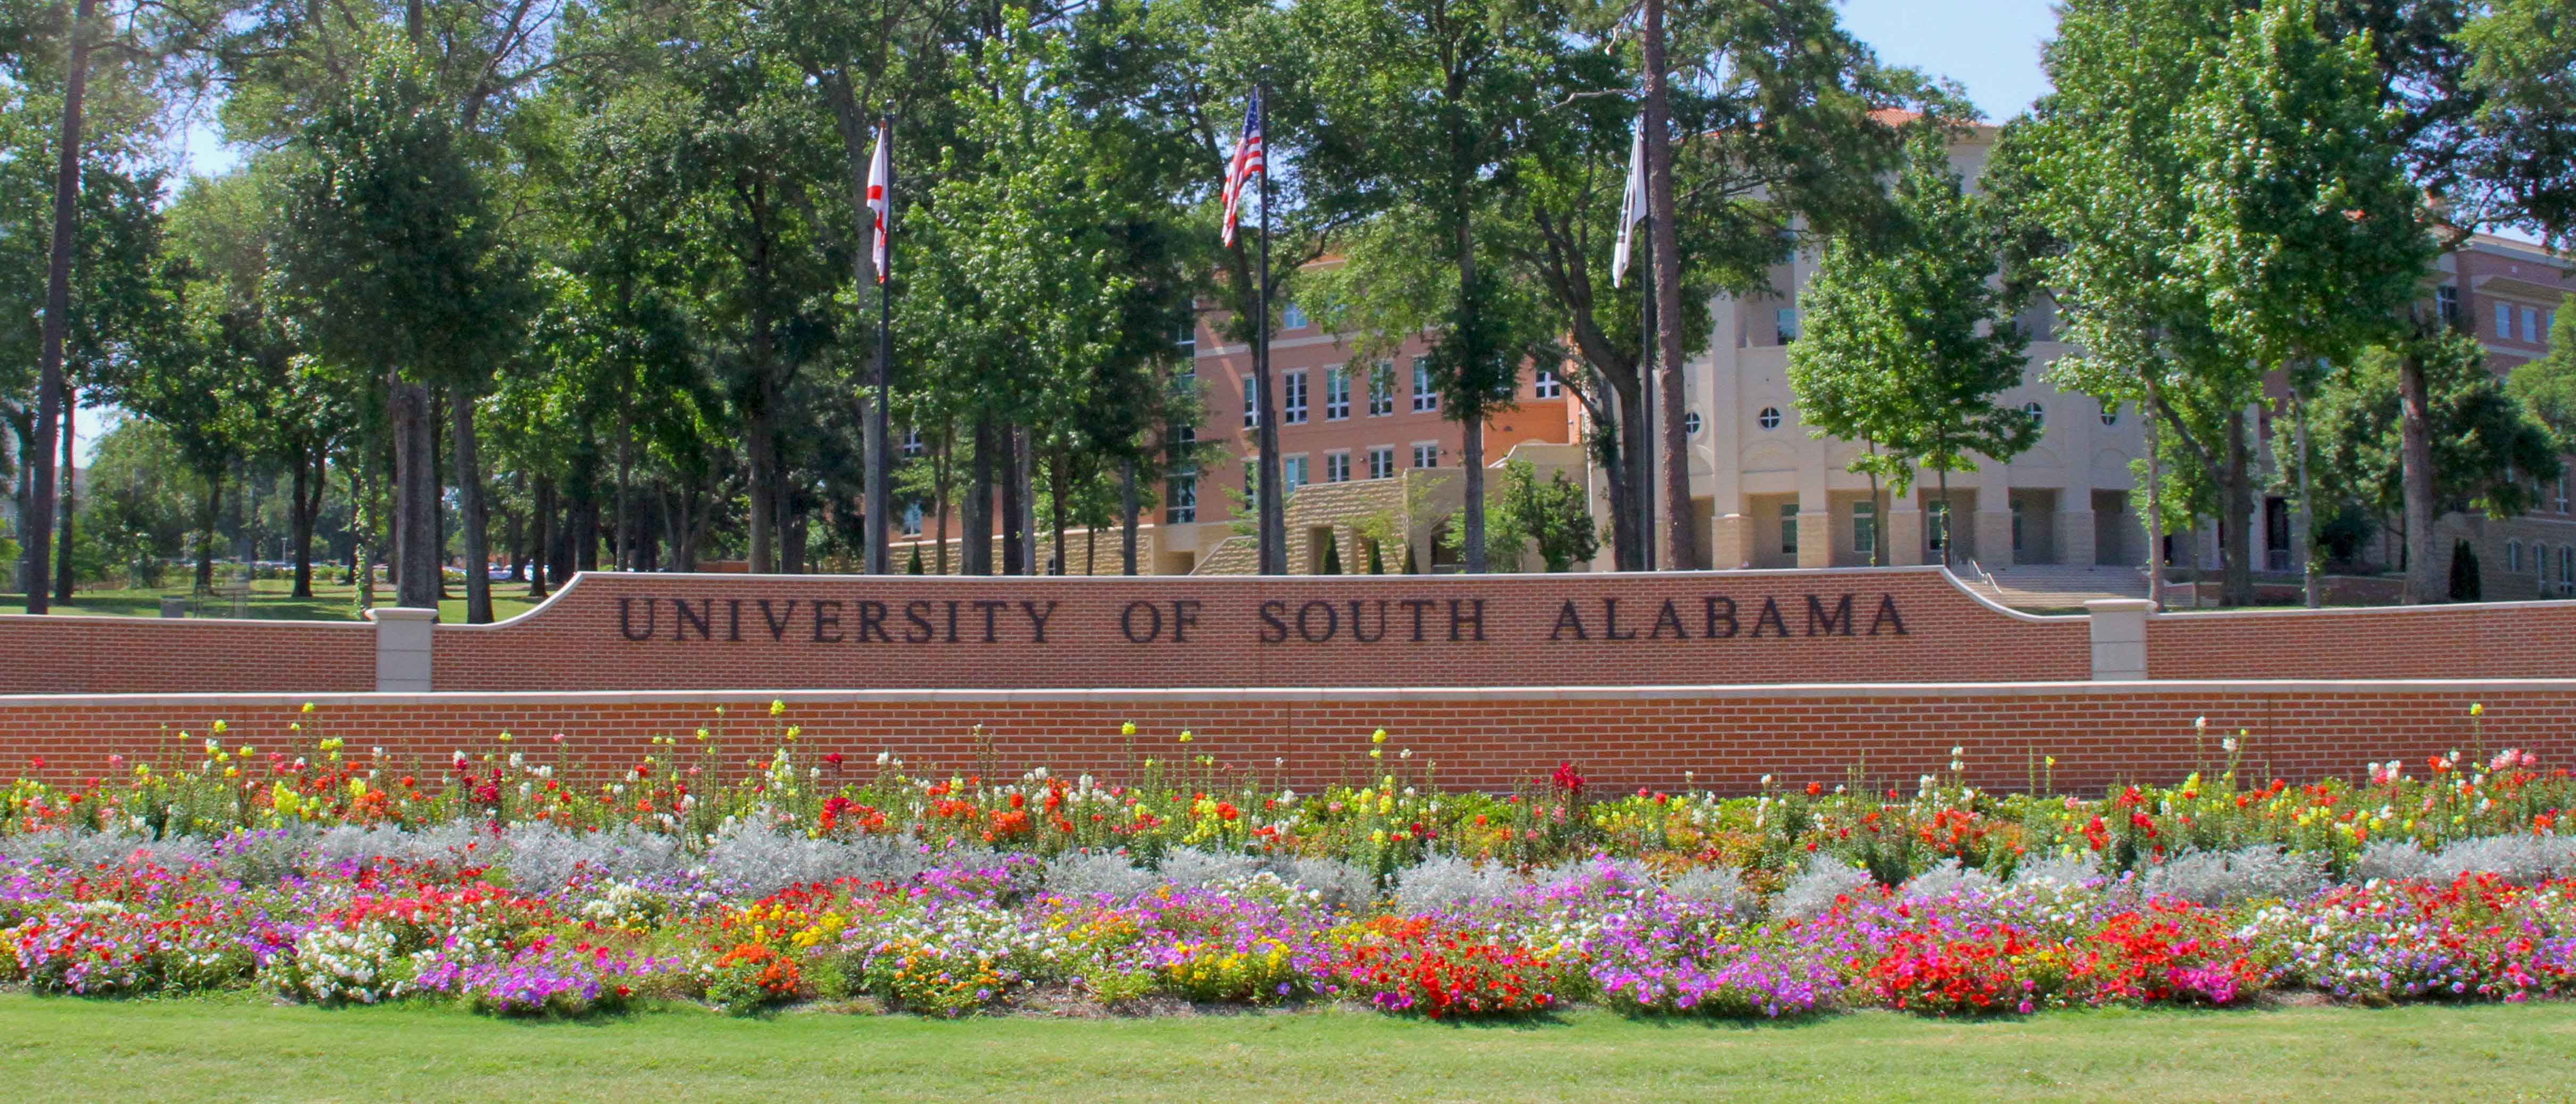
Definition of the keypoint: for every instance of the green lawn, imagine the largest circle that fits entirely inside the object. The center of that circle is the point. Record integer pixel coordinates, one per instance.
(239, 1047)
(331, 601)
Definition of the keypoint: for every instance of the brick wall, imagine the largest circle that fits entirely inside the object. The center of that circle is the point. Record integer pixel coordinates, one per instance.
(1493, 739)
(2491, 640)
(128, 655)
(1717, 632)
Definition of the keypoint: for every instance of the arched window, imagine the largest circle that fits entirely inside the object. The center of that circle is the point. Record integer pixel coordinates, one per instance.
(2038, 414)
(1769, 418)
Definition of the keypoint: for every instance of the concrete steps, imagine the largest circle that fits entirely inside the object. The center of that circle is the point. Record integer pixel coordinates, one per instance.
(2055, 586)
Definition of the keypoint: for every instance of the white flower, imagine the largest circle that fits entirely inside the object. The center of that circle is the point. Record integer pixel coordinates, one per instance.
(2228, 745)
(1957, 750)
(883, 756)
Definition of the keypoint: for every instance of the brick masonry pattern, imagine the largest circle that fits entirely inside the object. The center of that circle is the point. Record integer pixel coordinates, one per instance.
(1492, 739)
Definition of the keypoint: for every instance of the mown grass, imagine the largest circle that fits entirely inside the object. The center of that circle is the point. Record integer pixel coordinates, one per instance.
(245, 1047)
(271, 598)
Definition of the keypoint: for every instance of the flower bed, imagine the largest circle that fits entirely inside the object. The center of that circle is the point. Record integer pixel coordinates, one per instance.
(328, 876)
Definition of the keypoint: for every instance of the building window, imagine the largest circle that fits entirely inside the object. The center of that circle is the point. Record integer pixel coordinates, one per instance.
(1181, 498)
(1188, 341)
(1785, 320)
(1382, 388)
(1769, 418)
(1936, 526)
(2531, 325)
(1337, 467)
(1381, 461)
(1789, 528)
(2038, 414)
(2446, 302)
(1424, 398)
(1426, 454)
(1865, 527)
(912, 519)
(1337, 392)
(2513, 556)
(1251, 404)
(2016, 520)
(2504, 320)
(1545, 385)
(2562, 492)
(912, 445)
(2110, 413)
(1292, 398)
(1292, 317)
(2567, 565)
(1292, 473)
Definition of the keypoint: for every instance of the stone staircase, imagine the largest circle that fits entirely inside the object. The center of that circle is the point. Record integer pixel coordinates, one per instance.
(2057, 586)
(1235, 555)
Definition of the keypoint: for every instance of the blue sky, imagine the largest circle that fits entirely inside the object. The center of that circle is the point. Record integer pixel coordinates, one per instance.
(1990, 46)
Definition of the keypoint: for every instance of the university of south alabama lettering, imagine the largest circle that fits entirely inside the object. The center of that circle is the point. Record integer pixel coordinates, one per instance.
(1572, 623)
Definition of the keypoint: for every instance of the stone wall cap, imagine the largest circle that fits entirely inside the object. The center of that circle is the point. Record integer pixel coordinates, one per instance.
(2119, 605)
(401, 613)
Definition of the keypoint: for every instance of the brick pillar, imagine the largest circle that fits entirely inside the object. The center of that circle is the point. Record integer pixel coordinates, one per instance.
(2119, 638)
(402, 647)
(1815, 538)
(1904, 535)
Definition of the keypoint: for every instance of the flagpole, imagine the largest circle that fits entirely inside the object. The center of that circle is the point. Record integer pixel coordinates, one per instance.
(881, 450)
(1645, 450)
(1272, 507)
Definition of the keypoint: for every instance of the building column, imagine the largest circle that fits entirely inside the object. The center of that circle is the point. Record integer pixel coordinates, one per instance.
(1726, 536)
(2075, 545)
(1903, 531)
(1815, 537)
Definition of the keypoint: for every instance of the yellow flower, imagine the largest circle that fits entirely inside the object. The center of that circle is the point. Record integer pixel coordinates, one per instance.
(702, 734)
(794, 731)
(1185, 736)
(1378, 737)
(219, 728)
(505, 737)
(1377, 753)
(2476, 709)
(777, 706)
(1128, 729)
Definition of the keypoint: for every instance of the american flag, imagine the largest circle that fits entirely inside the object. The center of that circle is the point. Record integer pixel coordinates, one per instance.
(878, 170)
(1247, 162)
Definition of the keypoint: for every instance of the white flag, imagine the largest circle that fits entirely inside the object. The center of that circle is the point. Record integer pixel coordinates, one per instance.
(880, 169)
(1632, 204)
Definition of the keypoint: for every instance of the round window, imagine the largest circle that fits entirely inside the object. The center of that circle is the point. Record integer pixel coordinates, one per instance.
(1770, 417)
(2038, 415)
(2110, 414)
(1690, 422)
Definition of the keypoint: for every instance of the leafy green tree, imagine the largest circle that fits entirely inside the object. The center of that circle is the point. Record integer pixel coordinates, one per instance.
(2547, 386)
(1426, 99)
(2490, 451)
(394, 260)
(1778, 130)
(2302, 234)
(1907, 343)
(2521, 77)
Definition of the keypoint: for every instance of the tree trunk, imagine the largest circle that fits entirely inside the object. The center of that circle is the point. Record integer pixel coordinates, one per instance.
(416, 569)
(1949, 519)
(1618, 468)
(1057, 562)
(1127, 517)
(52, 394)
(363, 547)
(2424, 578)
(2240, 513)
(1681, 546)
(1024, 459)
(300, 526)
(625, 532)
(71, 484)
(2155, 499)
(1471, 415)
(976, 545)
(764, 489)
(475, 519)
(1013, 535)
(541, 546)
(2304, 535)
(213, 509)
